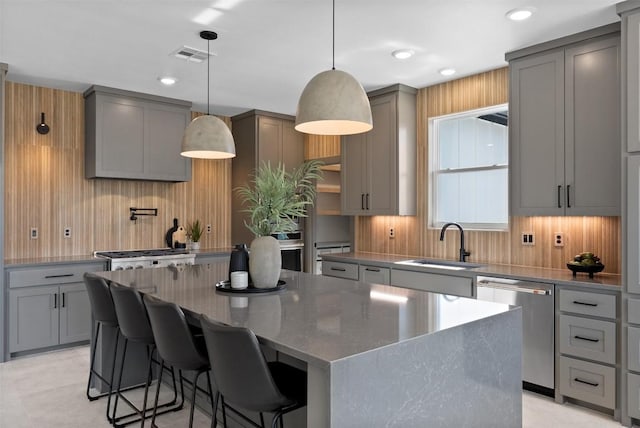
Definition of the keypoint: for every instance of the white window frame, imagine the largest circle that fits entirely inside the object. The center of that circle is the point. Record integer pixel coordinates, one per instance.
(432, 164)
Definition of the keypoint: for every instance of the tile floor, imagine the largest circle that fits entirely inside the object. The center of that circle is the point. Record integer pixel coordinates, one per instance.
(48, 390)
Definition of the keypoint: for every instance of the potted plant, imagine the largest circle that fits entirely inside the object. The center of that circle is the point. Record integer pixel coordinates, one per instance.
(274, 199)
(194, 233)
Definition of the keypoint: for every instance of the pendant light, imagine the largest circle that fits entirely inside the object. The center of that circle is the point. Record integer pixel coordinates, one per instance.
(333, 102)
(208, 137)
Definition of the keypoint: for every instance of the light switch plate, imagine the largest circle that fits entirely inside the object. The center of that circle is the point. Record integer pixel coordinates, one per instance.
(527, 239)
(33, 234)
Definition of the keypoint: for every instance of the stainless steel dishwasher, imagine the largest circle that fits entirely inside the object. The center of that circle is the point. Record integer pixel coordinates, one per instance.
(536, 300)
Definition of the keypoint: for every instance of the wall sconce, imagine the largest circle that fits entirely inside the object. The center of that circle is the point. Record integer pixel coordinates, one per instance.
(42, 127)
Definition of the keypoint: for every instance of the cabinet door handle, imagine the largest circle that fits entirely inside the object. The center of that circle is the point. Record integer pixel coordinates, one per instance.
(63, 300)
(367, 201)
(559, 198)
(568, 195)
(586, 382)
(362, 201)
(55, 301)
(577, 302)
(339, 269)
(588, 339)
(66, 275)
(372, 269)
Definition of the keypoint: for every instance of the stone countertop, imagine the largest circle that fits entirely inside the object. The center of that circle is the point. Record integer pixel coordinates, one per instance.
(317, 319)
(89, 258)
(562, 277)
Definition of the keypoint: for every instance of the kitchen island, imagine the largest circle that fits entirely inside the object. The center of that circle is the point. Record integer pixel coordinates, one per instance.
(375, 355)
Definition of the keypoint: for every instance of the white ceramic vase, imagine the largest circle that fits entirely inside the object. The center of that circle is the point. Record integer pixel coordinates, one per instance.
(265, 262)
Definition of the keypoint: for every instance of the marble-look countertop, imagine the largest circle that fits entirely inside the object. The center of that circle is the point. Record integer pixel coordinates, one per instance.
(529, 273)
(89, 258)
(317, 319)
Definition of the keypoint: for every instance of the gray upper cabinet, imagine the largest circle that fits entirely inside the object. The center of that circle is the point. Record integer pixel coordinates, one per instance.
(135, 136)
(260, 136)
(565, 128)
(379, 167)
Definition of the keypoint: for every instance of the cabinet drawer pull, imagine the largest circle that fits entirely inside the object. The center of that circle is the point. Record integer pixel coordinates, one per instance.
(338, 269)
(577, 302)
(367, 201)
(55, 301)
(372, 269)
(63, 300)
(559, 199)
(588, 339)
(65, 275)
(568, 195)
(586, 382)
(362, 201)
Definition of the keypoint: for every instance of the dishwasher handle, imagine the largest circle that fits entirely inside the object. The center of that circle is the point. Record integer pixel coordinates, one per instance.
(509, 287)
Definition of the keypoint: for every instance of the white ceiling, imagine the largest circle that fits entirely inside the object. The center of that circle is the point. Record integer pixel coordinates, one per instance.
(268, 50)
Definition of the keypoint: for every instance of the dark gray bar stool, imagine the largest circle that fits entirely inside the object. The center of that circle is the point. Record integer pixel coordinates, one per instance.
(104, 314)
(245, 379)
(178, 348)
(135, 327)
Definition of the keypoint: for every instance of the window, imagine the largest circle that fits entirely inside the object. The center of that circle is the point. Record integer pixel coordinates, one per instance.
(468, 175)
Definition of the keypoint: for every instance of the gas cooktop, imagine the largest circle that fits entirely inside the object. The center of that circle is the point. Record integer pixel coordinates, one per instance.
(141, 253)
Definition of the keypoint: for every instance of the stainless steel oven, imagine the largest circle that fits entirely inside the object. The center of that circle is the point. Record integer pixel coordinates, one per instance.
(291, 248)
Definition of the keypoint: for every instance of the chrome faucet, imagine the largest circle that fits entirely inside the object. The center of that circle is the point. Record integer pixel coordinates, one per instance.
(463, 253)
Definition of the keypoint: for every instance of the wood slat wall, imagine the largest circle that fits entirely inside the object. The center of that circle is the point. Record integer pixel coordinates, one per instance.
(600, 235)
(46, 188)
(321, 146)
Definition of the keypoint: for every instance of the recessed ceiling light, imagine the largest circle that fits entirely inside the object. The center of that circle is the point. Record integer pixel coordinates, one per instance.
(447, 71)
(520, 14)
(167, 80)
(402, 53)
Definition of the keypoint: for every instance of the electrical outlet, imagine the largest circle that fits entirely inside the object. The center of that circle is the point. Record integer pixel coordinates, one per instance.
(558, 239)
(392, 233)
(208, 228)
(528, 239)
(67, 232)
(34, 233)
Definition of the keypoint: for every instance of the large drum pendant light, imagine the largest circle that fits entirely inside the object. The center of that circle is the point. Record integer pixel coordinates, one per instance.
(208, 137)
(333, 102)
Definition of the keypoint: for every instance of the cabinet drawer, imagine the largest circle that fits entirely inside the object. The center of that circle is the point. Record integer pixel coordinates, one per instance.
(425, 281)
(375, 274)
(588, 338)
(340, 270)
(51, 274)
(633, 312)
(633, 395)
(586, 303)
(589, 382)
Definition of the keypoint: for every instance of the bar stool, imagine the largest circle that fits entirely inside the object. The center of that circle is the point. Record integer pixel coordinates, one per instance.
(104, 314)
(246, 379)
(135, 327)
(177, 347)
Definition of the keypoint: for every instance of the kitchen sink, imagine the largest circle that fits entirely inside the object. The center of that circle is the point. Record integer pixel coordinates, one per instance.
(440, 264)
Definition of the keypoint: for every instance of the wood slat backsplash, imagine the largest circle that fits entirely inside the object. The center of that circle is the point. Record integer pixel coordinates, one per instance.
(45, 187)
(321, 146)
(600, 235)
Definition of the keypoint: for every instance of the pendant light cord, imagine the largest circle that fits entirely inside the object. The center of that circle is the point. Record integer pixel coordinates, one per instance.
(209, 74)
(333, 52)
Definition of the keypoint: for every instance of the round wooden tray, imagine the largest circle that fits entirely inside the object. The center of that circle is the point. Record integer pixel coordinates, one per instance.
(225, 286)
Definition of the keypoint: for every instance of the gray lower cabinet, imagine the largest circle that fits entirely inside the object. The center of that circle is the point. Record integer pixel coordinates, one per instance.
(587, 343)
(48, 306)
(375, 274)
(340, 269)
(425, 281)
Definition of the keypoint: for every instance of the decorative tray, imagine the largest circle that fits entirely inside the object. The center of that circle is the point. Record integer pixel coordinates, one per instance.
(225, 286)
(585, 269)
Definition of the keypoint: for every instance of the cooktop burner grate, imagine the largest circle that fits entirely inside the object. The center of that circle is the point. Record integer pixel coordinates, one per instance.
(141, 253)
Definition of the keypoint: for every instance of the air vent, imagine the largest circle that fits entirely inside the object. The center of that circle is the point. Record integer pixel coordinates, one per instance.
(190, 54)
